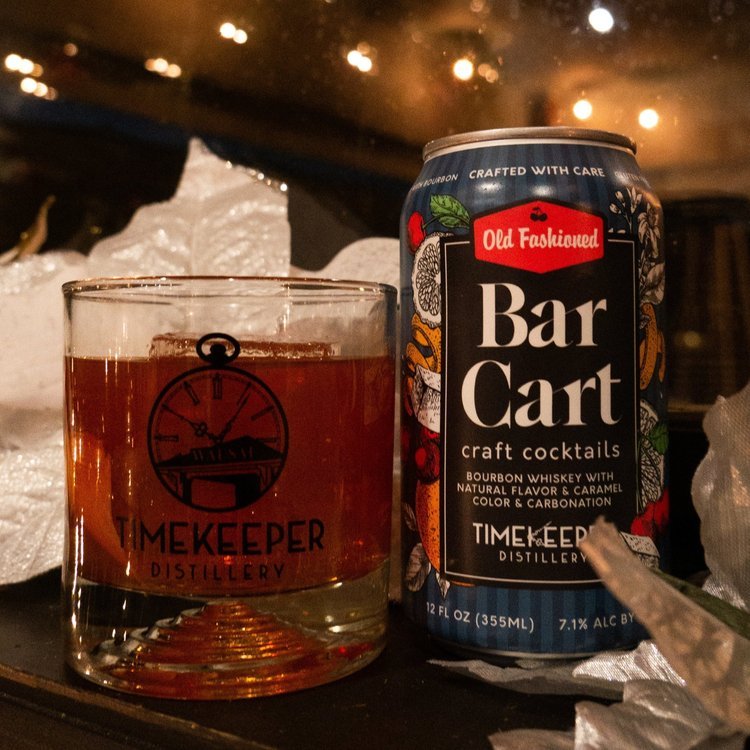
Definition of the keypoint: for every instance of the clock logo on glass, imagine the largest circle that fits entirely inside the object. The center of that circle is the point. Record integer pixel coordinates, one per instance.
(217, 435)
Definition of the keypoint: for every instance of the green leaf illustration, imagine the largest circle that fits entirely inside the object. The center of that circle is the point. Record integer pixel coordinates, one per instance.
(659, 437)
(449, 211)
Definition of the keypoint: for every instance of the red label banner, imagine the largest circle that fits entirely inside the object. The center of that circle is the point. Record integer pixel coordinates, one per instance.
(539, 236)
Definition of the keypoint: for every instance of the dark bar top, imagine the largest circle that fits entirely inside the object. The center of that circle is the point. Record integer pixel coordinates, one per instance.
(399, 701)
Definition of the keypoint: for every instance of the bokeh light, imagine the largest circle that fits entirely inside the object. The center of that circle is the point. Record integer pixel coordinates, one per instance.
(601, 20)
(648, 118)
(582, 109)
(463, 69)
(361, 58)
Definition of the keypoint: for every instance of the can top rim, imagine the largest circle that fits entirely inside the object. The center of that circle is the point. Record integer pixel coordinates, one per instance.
(527, 134)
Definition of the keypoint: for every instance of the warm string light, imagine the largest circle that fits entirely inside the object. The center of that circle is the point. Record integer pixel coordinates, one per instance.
(233, 33)
(648, 118)
(361, 58)
(601, 20)
(31, 71)
(488, 72)
(463, 69)
(163, 67)
(37, 88)
(17, 64)
(583, 109)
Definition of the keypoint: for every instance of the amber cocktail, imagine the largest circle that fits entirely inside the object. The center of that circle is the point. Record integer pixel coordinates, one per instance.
(229, 453)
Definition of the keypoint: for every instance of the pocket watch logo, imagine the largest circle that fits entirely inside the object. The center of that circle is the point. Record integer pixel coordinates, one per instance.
(217, 435)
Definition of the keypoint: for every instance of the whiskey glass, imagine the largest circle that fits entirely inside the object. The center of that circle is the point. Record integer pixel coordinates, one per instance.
(229, 463)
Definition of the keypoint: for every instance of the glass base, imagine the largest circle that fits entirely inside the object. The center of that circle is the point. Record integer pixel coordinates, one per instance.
(230, 647)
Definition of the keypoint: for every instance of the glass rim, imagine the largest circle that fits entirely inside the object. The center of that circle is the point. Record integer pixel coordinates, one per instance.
(315, 284)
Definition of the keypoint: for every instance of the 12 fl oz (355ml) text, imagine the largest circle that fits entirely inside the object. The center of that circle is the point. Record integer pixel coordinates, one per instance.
(481, 620)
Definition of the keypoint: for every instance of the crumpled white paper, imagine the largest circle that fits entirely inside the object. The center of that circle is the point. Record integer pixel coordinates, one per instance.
(689, 687)
(371, 259)
(31, 512)
(651, 715)
(721, 496)
(223, 219)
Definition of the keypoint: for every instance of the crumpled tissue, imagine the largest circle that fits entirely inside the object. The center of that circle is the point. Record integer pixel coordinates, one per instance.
(689, 686)
(721, 496)
(224, 219)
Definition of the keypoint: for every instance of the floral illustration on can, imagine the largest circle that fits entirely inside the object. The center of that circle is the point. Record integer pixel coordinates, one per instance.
(642, 219)
(421, 387)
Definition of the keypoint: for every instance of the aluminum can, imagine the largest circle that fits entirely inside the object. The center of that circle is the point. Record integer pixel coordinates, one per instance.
(533, 387)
